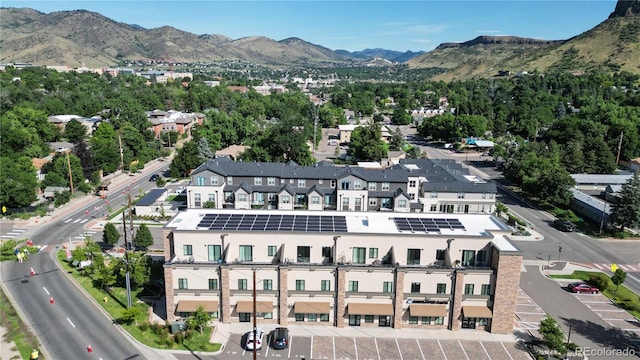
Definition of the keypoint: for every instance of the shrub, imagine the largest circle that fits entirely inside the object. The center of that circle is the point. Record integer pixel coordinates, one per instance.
(600, 280)
(179, 338)
(144, 326)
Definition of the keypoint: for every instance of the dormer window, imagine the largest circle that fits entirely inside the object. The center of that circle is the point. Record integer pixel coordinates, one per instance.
(229, 180)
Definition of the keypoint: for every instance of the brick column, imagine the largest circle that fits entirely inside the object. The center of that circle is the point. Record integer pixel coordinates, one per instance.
(225, 295)
(398, 301)
(167, 242)
(506, 292)
(168, 290)
(283, 300)
(458, 290)
(341, 281)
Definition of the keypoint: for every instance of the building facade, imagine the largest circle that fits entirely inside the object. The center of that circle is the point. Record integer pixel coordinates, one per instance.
(443, 271)
(413, 185)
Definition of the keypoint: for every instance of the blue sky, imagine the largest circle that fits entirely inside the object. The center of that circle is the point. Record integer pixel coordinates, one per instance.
(354, 25)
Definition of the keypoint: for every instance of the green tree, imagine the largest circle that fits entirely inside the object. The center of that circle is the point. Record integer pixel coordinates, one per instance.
(401, 117)
(18, 182)
(198, 320)
(618, 278)
(102, 273)
(366, 143)
(110, 235)
(204, 150)
(552, 334)
(626, 211)
(140, 269)
(74, 131)
(143, 237)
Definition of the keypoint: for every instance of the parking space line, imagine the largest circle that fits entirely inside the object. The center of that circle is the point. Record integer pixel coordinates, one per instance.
(463, 351)
(441, 349)
(311, 355)
(333, 340)
(399, 350)
(420, 348)
(531, 313)
(505, 349)
(355, 346)
(291, 341)
(607, 310)
(485, 350)
(375, 341)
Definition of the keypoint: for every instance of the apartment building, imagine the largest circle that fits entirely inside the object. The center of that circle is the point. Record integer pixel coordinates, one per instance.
(413, 185)
(333, 268)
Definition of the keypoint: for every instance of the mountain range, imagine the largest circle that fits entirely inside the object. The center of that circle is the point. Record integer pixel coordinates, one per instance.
(80, 37)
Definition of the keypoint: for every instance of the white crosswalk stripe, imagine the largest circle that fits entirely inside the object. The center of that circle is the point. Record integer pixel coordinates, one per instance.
(607, 267)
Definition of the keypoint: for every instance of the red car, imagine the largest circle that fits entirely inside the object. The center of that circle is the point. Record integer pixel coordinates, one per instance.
(581, 287)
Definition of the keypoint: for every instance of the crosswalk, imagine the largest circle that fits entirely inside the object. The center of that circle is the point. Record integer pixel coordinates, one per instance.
(76, 221)
(607, 266)
(14, 233)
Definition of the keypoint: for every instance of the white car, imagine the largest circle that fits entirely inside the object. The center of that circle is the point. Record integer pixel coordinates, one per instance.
(257, 342)
(62, 149)
(180, 189)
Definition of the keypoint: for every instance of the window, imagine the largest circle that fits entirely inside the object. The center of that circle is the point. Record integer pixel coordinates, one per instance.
(271, 181)
(228, 196)
(413, 256)
(272, 250)
(438, 320)
(482, 322)
(441, 288)
(315, 200)
(286, 199)
(200, 181)
(302, 182)
(197, 200)
(325, 285)
(242, 197)
(415, 288)
(214, 252)
(460, 195)
(373, 253)
(484, 196)
(326, 251)
(434, 195)
(468, 289)
(229, 180)
(257, 180)
(373, 202)
(357, 184)
(312, 317)
(320, 181)
(345, 184)
(387, 286)
(324, 317)
(481, 256)
(267, 284)
(246, 253)
(353, 285)
(213, 284)
(304, 254)
(300, 285)
(299, 317)
(369, 318)
(183, 283)
(485, 289)
(460, 208)
(402, 203)
(413, 319)
(333, 183)
(412, 196)
(385, 186)
(372, 186)
(359, 255)
(345, 202)
(267, 315)
(242, 284)
(187, 250)
(214, 180)
(468, 258)
(412, 183)
(433, 208)
(211, 198)
(426, 320)
(440, 254)
(358, 202)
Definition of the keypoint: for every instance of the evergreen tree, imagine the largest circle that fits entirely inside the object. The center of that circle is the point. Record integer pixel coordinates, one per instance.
(143, 237)
(110, 234)
(626, 211)
(618, 278)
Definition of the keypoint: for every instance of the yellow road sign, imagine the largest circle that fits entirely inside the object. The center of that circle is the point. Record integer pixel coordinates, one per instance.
(614, 267)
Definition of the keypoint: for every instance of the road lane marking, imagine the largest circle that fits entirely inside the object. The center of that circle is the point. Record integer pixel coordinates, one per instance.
(462, 347)
(485, 350)
(70, 322)
(442, 350)
(69, 219)
(45, 290)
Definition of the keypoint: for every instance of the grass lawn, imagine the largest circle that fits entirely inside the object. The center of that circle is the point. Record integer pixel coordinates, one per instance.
(16, 330)
(114, 302)
(624, 297)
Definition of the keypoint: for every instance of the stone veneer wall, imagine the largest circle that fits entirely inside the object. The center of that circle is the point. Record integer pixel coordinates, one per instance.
(168, 290)
(341, 284)
(283, 308)
(399, 299)
(167, 236)
(456, 314)
(506, 292)
(225, 295)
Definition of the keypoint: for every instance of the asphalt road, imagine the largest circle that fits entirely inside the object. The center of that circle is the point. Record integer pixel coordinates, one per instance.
(72, 323)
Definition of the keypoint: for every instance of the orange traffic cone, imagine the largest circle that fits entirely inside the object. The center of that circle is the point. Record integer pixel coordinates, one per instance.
(89, 348)
(33, 272)
(51, 300)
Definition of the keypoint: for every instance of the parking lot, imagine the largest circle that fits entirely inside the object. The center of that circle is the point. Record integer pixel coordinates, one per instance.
(369, 348)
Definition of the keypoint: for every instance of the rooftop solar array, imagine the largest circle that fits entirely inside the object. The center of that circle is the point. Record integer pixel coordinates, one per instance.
(255, 222)
(427, 225)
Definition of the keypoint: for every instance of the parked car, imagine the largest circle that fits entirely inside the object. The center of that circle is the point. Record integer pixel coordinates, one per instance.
(180, 189)
(254, 342)
(581, 287)
(154, 177)
(564, 225)
(62, 149)
(280, 338)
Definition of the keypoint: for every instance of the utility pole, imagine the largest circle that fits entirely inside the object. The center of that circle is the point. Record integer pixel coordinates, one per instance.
(315, 126)
(126, 261)
(121, 153)
(69, 167)
(130, 219)
(619, 148)
(255, 325)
